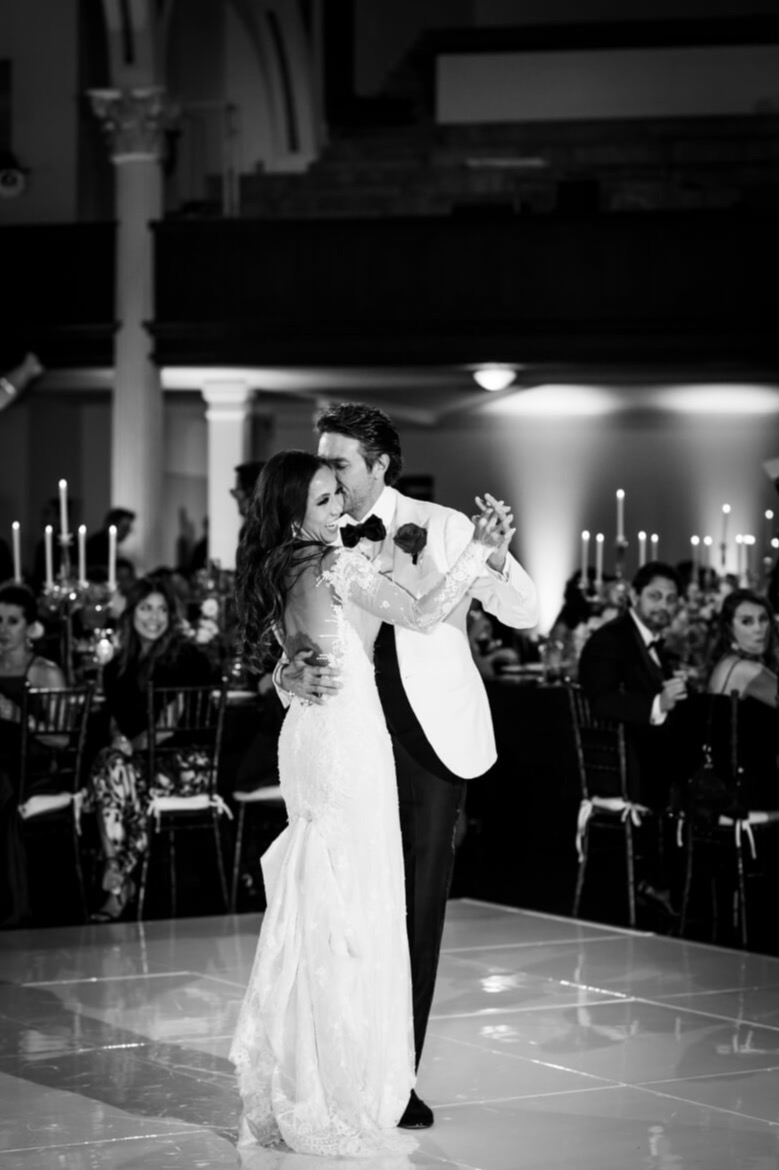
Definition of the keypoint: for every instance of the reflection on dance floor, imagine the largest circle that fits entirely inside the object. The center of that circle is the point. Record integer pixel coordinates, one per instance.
(553, 1043)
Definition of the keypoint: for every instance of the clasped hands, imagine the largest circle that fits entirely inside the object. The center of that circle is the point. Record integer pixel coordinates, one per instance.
(316, 682)
(496, 515)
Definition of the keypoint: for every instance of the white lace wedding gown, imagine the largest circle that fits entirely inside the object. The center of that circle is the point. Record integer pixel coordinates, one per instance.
(324, 1042)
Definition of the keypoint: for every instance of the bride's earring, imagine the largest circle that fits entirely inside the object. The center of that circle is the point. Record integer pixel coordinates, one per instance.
(297, 531)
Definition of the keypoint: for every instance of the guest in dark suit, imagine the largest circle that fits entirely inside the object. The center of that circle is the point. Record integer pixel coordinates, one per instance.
(629, 678)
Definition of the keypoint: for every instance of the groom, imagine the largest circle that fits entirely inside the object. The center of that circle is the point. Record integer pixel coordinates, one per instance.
(431, 692)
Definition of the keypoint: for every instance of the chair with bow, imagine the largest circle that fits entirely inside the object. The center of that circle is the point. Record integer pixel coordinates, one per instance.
(184, 736)
(605, 803)
(51, 794)
(718, 822)
(270, 810)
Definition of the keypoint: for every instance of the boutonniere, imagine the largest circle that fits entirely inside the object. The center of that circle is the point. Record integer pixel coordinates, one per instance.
(411, 539)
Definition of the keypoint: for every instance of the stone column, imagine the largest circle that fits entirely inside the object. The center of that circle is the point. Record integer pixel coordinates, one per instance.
(229, 414)
(134, 120)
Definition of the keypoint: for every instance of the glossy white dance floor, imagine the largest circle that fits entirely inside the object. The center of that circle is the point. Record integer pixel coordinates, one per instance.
(553, 1043)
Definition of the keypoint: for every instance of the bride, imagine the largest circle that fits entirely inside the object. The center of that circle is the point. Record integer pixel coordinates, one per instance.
(324, 1042)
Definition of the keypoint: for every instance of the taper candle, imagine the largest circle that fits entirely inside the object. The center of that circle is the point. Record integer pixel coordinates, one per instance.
(63, 487)
(598, 559)
(112, 557)
(82, 554)
(620, 515)
(739, 556)
(654, 540)
(709, 544)
(725, 514)
(695, 543)
(769, 526)
(585, 555)
(16, 535)
(47, 546)
(641, 549)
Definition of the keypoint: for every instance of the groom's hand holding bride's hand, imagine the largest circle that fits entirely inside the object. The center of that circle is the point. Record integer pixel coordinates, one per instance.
(503, 527)
(309, 680)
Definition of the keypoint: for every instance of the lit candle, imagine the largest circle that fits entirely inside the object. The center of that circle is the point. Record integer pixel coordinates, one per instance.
(725, 514)
(709, 543)
(598, 560)
(739, 555)
(620, 515)
(654, 540)
(82, 554)
(749, 542)
(112, 557)
(63, 486)
(695, 541)
(769, 516)
(16, 535)
(775, 542)
(641, 549)
(47, 544)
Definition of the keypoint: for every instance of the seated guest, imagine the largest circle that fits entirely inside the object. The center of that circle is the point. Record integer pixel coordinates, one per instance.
(152, 648)
(628, 679)
(19, 664)
(488, 650)
(745, 659)
(745, 655)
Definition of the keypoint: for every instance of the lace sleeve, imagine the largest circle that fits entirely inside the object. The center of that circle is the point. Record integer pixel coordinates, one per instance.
(354, 578)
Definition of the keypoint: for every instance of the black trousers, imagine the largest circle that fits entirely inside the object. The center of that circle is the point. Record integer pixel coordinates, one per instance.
(429, 810)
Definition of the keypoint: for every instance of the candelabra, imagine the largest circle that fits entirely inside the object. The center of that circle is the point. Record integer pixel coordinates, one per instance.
(66, 595)
(620, 552)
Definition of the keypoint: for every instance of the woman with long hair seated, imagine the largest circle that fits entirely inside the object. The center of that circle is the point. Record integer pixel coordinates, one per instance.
(324, 1040)
(19, 665)
(153, 647)
(745, 659)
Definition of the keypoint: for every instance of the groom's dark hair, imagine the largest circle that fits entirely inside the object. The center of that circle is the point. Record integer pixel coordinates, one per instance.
(374, 430)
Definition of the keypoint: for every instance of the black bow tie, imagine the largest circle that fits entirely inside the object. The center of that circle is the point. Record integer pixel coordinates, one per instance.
(370, 529)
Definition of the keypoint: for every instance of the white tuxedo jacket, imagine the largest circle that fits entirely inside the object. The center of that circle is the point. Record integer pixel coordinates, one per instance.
(439, 675)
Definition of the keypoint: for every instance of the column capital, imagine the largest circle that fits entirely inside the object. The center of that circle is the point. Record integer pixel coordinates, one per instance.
(227, 399)
(134, 121)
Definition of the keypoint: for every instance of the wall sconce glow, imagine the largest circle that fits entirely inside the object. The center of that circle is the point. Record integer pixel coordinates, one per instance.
(555, 400)
(494, 376)
(721, 399)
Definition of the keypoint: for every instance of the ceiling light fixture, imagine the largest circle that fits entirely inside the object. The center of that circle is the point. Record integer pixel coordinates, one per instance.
(494, 376)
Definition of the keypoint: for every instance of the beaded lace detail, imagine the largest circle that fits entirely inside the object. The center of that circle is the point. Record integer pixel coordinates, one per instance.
(355, 579)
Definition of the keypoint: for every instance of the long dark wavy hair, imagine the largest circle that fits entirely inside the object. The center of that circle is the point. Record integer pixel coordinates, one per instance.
(130, 659)
(723, 640)
(271, 556)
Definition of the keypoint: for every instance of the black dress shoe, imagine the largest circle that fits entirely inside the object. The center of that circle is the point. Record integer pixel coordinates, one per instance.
(416, 1115)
